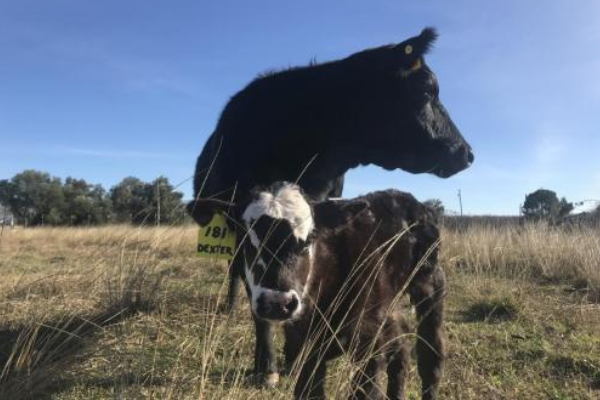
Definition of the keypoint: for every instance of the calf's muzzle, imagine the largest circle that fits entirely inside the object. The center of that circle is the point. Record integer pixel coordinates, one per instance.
(277, 305)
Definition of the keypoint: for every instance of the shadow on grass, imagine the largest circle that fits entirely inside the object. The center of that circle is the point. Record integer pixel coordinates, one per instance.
(32, 356)
(492, 310)
(115, 383)
(565, 366)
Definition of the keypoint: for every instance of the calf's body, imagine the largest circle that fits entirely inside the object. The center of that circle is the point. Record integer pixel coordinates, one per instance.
(348, 269)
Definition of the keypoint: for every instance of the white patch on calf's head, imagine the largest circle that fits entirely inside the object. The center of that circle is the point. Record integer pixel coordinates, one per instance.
(253, 237)
(286, 202)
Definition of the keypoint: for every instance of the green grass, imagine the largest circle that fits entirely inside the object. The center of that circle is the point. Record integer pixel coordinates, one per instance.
(510, 334)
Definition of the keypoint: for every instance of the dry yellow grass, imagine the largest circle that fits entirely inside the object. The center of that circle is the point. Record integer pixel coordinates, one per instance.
(123, 312)
(535, 251)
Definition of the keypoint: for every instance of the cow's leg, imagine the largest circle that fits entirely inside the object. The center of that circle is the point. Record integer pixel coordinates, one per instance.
(236, 271)
(427, 295)
(365, 383)
(264, 352)
(311, 379)
(236, 266)
(397, 368)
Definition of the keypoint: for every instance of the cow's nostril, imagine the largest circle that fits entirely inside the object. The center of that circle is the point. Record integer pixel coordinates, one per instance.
(292, 304)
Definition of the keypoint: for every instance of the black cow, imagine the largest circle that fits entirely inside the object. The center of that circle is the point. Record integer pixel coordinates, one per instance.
(334, 274)
(311, 124)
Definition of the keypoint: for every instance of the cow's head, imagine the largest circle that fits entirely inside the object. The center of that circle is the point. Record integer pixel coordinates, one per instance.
(411, 129)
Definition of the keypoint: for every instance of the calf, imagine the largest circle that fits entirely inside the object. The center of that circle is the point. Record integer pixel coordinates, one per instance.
(311, 124)
(333, 274)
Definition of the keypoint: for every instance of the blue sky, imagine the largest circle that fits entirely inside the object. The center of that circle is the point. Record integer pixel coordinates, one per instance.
(102, 90)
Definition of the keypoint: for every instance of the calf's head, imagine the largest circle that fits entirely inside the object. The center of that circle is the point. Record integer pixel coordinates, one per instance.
(280, 224)
(410, 128)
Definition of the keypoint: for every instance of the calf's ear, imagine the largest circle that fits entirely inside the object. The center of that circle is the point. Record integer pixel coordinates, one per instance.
(202, 210)
(333, 214)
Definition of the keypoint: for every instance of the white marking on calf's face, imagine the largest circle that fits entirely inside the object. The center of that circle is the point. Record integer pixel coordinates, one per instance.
(286, 203)
(255, 289)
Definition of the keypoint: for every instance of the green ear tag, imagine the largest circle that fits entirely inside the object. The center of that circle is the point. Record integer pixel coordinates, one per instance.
(216, 240)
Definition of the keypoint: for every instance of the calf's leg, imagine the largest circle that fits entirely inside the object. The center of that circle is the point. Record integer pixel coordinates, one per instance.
(397, 368)
(264, 353)
(265, 359)
(365, 381)
(310, 384)
(427, 295)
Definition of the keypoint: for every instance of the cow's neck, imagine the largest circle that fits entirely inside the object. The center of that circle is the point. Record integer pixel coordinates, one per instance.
(331, 159)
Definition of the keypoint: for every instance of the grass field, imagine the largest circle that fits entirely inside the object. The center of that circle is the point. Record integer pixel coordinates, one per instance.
(128, 313)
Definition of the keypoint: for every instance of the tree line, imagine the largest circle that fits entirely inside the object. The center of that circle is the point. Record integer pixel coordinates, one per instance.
(36, 198)
(539, 205)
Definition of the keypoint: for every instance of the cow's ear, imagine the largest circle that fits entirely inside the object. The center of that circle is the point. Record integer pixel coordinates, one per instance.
(333, 214)
(418, 46)
(410, 52)
(203, 210)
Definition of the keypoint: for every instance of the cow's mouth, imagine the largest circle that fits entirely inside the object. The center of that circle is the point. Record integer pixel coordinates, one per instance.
(457, 161)
(442, 172)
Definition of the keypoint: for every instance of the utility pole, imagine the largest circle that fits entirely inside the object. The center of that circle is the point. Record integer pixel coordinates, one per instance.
(157, 203)
(460, 202)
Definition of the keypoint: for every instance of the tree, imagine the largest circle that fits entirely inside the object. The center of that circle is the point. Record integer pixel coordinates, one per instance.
(6, 217)
(543, 204)
(85, 204)
(130, 200)
(565, 208)
(34, 197)
(141, 202)
(166, 204)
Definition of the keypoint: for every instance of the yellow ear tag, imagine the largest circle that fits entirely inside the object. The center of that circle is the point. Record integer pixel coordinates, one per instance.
(216, 240)
(417, 65)
(408, 49)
